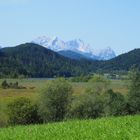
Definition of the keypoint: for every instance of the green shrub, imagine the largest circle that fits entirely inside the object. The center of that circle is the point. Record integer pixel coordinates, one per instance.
(4, 84)
(97, 78)
(101, 82)
(86, 106)
(134, 92)
(81, 78)
(22, 111)
(114, 103)
(3, 120)
(55, 100)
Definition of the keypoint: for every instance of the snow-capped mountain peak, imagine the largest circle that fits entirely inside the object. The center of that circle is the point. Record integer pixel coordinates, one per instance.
(53, 43)
(76, 45)
(107, 53)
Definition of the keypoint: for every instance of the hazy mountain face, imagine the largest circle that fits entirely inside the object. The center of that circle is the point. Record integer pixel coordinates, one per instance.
(105, 54)
(76, 45)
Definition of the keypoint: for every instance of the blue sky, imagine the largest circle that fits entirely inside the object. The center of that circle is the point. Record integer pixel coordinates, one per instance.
(101, 23)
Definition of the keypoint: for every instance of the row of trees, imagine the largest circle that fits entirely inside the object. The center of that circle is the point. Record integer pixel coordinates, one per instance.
(12, 85)
(57, 103)
(89, 78)
(5, 85)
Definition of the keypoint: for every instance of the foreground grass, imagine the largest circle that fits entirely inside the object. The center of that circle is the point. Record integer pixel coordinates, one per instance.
(120, 128)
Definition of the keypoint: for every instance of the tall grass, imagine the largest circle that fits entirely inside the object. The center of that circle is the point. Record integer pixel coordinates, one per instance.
(120, 128)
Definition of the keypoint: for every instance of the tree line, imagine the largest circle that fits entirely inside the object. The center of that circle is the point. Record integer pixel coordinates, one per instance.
(31, 60)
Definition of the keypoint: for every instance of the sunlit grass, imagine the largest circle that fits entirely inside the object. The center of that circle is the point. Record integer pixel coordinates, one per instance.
(119, 128)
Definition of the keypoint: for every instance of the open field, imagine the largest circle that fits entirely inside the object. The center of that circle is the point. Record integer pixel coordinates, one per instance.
(35, 86)
(119, 128)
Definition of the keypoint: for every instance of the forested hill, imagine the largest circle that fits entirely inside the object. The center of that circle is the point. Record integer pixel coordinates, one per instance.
(122, 62)
(33, 60)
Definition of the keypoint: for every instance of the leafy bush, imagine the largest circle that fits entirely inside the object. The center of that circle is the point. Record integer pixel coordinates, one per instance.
(134, 92)
(14, 85)
(97, 78)
(87, 106)
(4, 84)
(114, 103)
(55, 100)
(3, 120)
(22, 111)
(101, 82)
(81, 78)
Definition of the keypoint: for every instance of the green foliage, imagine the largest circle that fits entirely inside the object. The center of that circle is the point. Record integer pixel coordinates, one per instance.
(114, 103)
(55, 100)
(13, 85)
(3, 123)
(22, 111)
(57, 103)
(4, 84)
(98, 78)
(32, 60)
(121, 63)
(3, 120)
(87, 106)
(81, 78)
(119, 128)
(134, 93)
(102, 85)
(97, 103)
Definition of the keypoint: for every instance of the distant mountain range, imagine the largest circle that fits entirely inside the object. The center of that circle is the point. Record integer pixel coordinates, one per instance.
(32, 60)
(74, 49)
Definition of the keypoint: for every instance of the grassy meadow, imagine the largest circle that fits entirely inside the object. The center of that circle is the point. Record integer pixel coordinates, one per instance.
(115, 128)
(35, 86)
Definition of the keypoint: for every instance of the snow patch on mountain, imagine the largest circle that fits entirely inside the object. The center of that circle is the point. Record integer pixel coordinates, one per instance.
(76, 45)
(105, 54)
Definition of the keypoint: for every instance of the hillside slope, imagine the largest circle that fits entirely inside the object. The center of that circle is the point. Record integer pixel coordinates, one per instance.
(36, 61)
(123, 62)
(32, 60)
(72, 55)
(120, 128)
